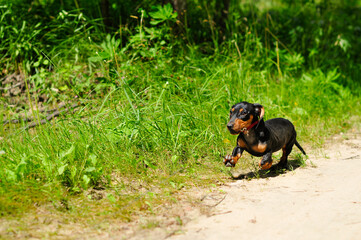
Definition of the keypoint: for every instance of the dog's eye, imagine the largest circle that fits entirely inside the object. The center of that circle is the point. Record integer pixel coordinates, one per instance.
(243, 113)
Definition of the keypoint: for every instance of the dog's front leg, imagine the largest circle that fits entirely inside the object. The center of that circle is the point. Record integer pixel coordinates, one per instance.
(231, 160)
(266, 161)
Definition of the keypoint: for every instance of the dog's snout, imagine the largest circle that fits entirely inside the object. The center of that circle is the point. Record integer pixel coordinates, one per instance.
(229, 126)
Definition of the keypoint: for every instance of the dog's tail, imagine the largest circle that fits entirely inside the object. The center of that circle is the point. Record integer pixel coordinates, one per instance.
(299, 147)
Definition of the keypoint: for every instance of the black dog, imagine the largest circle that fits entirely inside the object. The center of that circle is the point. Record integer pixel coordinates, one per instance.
(259, 137)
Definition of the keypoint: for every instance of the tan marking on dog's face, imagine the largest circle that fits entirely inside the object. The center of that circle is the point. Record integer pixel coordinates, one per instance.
(239, 124)
(231, 112)
(240, 110)
(260, 148)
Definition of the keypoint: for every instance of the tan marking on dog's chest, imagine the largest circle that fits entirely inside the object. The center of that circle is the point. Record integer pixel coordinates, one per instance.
(260, 147)
(241, 143)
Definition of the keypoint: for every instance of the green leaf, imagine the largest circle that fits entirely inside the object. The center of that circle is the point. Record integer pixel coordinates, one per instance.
(93, 159)
(63, 88)
(75, 189)
(86, 179)
(62, 169)
(155, 22)
(149, 164)
(69, 151)
(111, 198)
(73, 171)
(95, 59)
(11, 176)
(174, 158)
(90, 169)
(173, 184)
(161, 14)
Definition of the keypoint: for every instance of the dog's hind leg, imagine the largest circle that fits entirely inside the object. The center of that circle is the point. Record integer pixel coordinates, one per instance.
(286, 150)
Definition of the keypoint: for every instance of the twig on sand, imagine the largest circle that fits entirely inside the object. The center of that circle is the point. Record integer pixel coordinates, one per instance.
(352, 157)
(216, 203)
(221, 213)
(225, 195)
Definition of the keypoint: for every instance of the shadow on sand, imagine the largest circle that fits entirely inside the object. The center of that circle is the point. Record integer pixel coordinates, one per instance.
(274, 171)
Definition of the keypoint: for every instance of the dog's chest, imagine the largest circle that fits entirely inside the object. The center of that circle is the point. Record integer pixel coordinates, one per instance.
(254, 148)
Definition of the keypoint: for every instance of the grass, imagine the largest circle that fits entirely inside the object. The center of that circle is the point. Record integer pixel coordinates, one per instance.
(172, 128)
(152, 119)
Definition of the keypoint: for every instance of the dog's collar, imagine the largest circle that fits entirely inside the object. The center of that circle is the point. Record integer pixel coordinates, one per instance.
(249, 127)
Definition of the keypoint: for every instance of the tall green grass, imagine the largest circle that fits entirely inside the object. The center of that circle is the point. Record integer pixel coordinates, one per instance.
(177, 119)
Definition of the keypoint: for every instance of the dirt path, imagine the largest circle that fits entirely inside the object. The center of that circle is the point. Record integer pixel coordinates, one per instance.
(316, 202)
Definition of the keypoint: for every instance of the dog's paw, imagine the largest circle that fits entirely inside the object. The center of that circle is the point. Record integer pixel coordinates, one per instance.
(228, 161)
(265, 166)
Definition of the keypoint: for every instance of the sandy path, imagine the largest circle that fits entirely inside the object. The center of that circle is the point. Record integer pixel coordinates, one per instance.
(322, 202)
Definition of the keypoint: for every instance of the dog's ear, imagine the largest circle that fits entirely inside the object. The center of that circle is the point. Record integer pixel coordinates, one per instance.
(259, 110)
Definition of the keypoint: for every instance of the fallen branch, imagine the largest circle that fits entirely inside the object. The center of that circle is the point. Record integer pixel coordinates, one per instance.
(51, 116)
(48, 117)
(29, 119)
(11, 87)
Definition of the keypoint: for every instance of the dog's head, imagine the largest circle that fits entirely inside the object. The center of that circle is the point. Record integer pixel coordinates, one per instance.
(243, 115)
